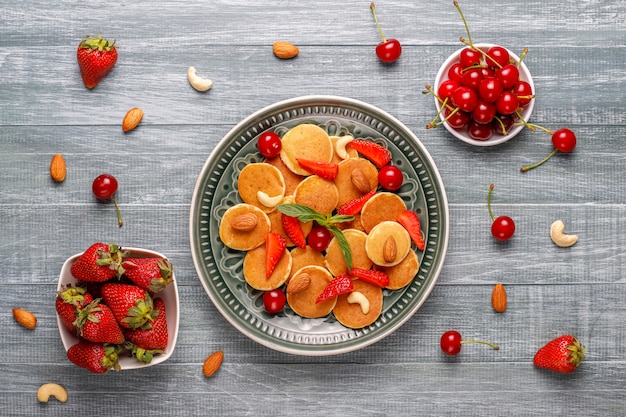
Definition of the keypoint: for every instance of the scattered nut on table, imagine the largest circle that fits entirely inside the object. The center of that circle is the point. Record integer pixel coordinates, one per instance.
(197, 82)
(559, 237)
(498, 298)
(132, 119)
(58, 168)
(25, 318)
(51, 390)
(285, 50)
(212, 363)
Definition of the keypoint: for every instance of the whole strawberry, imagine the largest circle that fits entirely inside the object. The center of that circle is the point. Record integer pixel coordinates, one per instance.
(96, 58)
(146, 343)
(99, 263)
(97, 358)
(132, 306)
(68, 303)
(96, 323)
(152, 274)
(562, 354)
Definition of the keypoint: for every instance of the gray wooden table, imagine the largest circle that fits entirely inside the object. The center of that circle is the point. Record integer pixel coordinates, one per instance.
(577, 55)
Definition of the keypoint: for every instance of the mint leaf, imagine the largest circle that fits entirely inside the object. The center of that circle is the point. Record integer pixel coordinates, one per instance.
(343, 244)
(302, 213)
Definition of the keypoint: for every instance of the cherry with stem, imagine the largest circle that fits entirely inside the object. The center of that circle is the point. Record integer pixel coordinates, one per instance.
(502, 227)
(563, 140)
(451, 342)
(388, 50)
(104, 187)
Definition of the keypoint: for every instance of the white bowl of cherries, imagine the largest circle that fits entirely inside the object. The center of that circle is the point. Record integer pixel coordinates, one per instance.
(484, 94)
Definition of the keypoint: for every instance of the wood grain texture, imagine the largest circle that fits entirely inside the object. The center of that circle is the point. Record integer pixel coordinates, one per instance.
(576, 55)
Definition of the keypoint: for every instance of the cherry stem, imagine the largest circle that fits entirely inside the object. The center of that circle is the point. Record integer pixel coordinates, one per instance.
(529, 167)
(496, 347)
(456, 4)
(521, 58)
(489, 202)
(376, 20)
(119, 214)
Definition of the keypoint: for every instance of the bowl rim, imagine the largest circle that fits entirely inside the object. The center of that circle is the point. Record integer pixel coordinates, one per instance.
(442, 75)
(170, 297)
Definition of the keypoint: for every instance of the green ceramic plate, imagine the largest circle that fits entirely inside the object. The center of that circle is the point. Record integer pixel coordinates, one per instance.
(220, 269)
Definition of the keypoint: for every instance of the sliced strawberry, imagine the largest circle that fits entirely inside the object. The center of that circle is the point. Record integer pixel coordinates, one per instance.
(293, 230)
(341, 284)
(275, 246)
(411, 223)
(354, 206)
(326, 170)
(372, 151)
(378, 278)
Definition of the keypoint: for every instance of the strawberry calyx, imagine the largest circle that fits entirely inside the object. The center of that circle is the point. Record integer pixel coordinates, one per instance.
(86, 314)
(141, 354)
(141, 315)
(98, 43)
(72, 295)
(576, 352)
(113, 258)
(110, 359)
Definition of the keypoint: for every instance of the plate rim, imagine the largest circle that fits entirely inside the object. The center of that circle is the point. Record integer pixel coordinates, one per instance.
(300, 101)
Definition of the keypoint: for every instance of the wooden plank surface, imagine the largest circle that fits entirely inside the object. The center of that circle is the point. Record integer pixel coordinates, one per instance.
(577, 55)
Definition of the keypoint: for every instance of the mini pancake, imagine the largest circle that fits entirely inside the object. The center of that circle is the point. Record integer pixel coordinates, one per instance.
(352, 153)
(335, 261)
(377, 239)
(240, 240)
(343, 181)
(275, 218)
(317, 193)
(383, 206)
(291, 180)
(254, 270)
(354, 224)
(260, 177)
(402, 274)
(351, 315)
(306, 141)
(305, 257)
(303, 303)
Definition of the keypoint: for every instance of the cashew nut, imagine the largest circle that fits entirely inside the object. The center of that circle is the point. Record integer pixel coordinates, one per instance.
(199, 83)
(46, 390)
(340, 146)
(359, 298)
(559, 238)
(268, 201)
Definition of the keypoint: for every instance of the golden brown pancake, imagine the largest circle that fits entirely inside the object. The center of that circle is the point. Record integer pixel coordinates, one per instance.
(335, 261)
(402, 274)
(291, 180)
(378, 237)
(243, 240)
(260, 177)
(383, 206)
(306, 141)
(351, 314)
(354, 224)
(317, 193)
(345, 185)
(254, 270)
(303, 303)
(305, 257)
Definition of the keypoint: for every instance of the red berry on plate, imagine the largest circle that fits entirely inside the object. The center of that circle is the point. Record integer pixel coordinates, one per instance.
(465, 98)
(503, 227)
(389, 50)
(411, 222)
(469, 57)
(490, 89)
(372, 151)
(509, 75)
(524, 92)
(497, 57)
(484, 112)
(479, 131)
(275, 245)
(326, 170)
(451, 342)
(269, 145)
(341, 284)
(274, 301)
(507, 103)
(319, 238)
(390, 177)
(104, 187)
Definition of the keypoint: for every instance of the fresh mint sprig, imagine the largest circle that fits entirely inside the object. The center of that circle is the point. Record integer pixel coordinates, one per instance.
(307, 214)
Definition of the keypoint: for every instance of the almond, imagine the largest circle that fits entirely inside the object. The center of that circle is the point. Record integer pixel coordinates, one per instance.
(498, 298)
(360, 181)
(132, 119)
(245, 222)
(212, 363)
(390, 250)
(298, 283)
(25, 318)
(285, 50)
(58, 168)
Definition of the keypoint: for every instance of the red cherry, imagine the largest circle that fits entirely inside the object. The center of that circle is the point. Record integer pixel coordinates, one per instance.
(451, 342)
(509, 75)
(274, 301)
(456, 72)
(104, 187)
(319, 238)
(469, 57)
(472, 78)
(447, 88)
(563, 140)
(524, 92)
(503, 227)
(269, 145)
(484, 112)
(390, 177)
(507, 103)
(490, 89)
(503, 123)
(389, 50)
(497, 57)
(458, 120)
(479, 131)
(465, 98)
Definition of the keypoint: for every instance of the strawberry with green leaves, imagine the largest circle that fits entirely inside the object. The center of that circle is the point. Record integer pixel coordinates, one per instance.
(326, 170)
(96, 58)
(132, 306)
(152, 274)
(99, 263)
(68, 304)
(275, 245)
(97, 358)
(341, 284)
(409, 220)
(376, 153)
(145, 343)
(96, 323)
(562, 354)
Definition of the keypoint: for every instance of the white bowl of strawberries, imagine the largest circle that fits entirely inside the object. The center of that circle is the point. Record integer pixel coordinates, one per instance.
(484, 94)
(117, 308)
